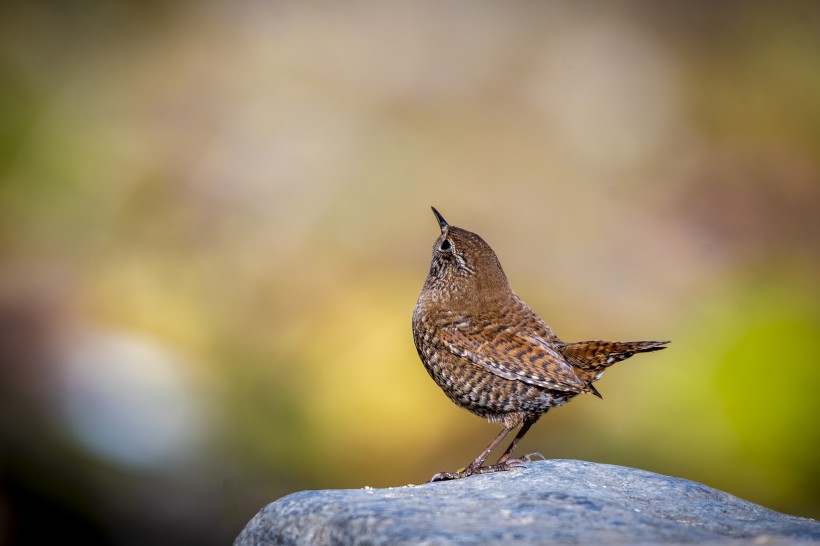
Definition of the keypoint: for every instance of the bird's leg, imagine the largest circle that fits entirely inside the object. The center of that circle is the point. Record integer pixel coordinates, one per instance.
(504, 462)
(474, 466)
(505, 458)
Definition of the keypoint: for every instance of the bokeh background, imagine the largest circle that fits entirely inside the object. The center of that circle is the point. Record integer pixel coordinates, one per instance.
(214, 225)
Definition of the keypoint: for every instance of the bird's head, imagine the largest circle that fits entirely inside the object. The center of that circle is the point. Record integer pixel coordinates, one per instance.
(464, 265)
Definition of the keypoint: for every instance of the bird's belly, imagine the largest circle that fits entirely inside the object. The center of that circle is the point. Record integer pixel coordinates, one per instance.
(486, 394)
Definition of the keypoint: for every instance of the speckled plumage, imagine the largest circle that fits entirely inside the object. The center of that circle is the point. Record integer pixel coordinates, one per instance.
(490, 353)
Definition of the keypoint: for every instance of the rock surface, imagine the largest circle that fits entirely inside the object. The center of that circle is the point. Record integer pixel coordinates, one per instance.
(547, 502)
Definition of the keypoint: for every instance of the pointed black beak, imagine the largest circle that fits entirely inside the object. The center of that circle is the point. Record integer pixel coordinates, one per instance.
(441, 221)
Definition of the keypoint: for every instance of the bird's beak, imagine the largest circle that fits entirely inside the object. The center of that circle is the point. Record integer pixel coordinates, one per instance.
(441, 221)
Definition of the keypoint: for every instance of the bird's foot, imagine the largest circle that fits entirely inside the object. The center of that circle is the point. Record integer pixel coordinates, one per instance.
(472, 471)
(460, 473)
(520, 461)
(444, 476)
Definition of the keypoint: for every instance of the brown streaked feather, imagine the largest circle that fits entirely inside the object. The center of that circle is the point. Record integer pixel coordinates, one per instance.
(508, 354)
(590, 358)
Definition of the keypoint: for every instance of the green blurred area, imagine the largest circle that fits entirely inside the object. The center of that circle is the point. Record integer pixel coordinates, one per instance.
(214, 225)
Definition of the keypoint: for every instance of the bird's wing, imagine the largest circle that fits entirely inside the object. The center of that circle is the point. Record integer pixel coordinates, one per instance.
(511, 355)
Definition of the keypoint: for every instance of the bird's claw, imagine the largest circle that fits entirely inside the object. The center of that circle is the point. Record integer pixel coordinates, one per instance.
(444, 476)
(489, 469)
(530, 457)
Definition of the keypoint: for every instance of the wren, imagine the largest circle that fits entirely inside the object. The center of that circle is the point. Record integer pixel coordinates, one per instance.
(491, 354)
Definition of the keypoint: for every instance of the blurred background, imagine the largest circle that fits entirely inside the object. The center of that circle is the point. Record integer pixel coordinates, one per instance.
(215, 223)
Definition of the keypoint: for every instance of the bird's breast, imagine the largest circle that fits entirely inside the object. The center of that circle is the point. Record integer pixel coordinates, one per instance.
(473, 387)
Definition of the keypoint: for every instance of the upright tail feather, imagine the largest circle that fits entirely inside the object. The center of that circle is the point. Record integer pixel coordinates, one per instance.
(589, 359)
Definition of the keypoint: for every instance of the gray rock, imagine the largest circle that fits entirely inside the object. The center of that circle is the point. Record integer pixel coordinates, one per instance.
(547, 502)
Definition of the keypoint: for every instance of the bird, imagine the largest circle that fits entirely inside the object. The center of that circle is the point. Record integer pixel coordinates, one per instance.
(493, 355)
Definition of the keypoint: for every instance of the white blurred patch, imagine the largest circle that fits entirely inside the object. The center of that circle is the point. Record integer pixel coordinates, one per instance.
(128, 399)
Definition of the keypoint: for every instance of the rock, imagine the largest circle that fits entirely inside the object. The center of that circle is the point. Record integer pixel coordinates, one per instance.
(555, 502)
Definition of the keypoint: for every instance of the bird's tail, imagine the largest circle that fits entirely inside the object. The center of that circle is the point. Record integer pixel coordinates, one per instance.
(589, 359)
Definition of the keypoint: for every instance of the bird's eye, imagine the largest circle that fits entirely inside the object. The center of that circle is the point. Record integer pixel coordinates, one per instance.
(445, 245)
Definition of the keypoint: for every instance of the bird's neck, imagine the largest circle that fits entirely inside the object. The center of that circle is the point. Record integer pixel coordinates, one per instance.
(474, 293)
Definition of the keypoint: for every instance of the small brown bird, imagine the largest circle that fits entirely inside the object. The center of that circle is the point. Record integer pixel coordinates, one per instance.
(490, 353)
